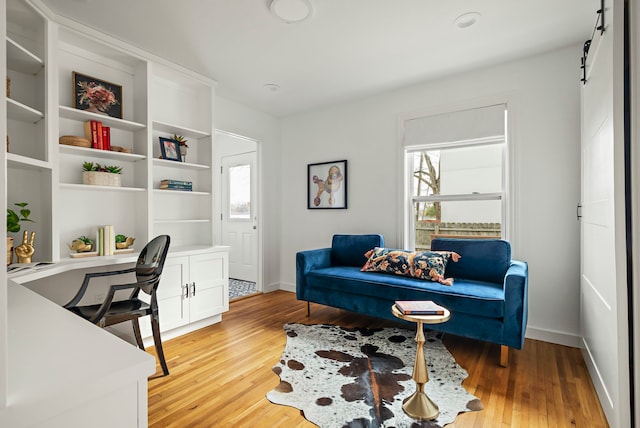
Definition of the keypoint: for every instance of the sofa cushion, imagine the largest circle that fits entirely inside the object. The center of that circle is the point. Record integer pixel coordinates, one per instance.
(429, 265)
(482, 259)
(480, 298)
(349, 250)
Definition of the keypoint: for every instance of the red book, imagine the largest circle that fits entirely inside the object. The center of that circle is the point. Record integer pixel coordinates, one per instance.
(99, 133)
(419, 307)
(90, 133)
(106, 137)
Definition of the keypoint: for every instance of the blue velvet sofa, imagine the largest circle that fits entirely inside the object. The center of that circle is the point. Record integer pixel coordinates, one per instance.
(488, 298)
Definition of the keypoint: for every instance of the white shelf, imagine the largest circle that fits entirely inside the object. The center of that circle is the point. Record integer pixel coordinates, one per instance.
(24, 161)
(179, 165)
(114, 122)
(18, 111)
(102, 154)
(88, 187)
(188, 221)
(21, 60)
(175, 129)
(181, 192)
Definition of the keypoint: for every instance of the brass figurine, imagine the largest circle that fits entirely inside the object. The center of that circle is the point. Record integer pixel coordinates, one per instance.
(25, 251)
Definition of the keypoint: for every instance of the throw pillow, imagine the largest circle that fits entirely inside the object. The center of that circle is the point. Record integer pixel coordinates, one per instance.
(429, 265)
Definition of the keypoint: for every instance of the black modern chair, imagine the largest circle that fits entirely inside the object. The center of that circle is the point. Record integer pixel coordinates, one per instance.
(148, 270)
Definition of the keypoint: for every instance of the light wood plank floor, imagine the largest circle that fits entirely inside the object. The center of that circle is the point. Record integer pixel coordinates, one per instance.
(220, 374)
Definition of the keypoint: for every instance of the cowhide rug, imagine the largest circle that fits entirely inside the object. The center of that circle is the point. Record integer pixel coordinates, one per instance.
(342, 377)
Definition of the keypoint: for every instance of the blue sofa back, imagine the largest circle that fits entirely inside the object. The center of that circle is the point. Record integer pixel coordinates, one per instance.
(482, 259)
(349, 250)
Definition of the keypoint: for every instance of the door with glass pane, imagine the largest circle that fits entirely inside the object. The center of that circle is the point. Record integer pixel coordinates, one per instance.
(239, 222)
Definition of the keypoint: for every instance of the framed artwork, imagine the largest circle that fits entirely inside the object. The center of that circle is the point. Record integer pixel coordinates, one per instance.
(327, 185)
(170, 149)
(97, 96)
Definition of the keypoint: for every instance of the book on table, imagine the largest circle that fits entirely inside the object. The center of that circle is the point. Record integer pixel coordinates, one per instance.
(419, 307)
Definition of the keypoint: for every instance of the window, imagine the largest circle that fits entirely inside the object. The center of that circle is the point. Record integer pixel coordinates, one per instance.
(456, 188)
(240, 192)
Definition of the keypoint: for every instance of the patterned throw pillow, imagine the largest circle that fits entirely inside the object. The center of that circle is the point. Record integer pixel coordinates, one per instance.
(428, 265)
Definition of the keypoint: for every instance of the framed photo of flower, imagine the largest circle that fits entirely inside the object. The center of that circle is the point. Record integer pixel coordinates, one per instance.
(327, 185)
(97, 96)
(170, 149)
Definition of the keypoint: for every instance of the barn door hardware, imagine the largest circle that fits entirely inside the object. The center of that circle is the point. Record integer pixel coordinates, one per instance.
(585, 49)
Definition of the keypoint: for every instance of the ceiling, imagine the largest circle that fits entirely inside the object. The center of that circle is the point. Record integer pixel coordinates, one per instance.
(348, 49)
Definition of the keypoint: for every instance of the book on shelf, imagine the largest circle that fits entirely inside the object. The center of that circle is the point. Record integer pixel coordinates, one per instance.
(419, 307)
(176, 182)
(105, 244)
(98, 134)
(178, 188)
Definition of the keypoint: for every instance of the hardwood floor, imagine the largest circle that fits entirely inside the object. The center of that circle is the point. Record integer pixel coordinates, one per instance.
(220, 374)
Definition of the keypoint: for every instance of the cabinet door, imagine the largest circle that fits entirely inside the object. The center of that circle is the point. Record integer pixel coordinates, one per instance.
(210, 278)
(173, 305)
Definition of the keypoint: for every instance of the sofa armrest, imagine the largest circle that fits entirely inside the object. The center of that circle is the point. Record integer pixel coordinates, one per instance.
(307, 261)
(516, 304)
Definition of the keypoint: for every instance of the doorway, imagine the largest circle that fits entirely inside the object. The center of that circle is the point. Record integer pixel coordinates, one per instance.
(237, 157)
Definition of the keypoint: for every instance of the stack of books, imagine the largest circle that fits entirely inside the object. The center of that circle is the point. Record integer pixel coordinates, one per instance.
(419, 307)
(186, 186)
(98, 134)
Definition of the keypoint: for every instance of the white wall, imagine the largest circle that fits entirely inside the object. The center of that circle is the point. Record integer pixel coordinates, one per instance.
(235, 118)
(543, 97)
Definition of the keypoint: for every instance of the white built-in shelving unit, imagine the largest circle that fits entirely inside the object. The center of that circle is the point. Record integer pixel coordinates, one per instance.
(159, 99)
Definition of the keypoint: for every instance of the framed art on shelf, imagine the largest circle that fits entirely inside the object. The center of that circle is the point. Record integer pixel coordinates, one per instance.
(97, 96)
(327, 185)
(170, 149)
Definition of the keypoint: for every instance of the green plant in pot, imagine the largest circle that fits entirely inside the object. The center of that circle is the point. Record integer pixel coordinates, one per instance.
(183, 145)
(13, 224)
(123, 241)
(101, 175)
(81, 244)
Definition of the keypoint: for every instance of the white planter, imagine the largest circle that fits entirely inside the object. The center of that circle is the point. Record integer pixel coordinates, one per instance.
(99, 178)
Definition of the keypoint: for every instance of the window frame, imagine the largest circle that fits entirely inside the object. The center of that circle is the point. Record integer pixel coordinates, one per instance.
(409, 200)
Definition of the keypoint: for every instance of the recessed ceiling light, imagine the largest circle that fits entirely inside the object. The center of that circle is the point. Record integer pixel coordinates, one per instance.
(291, 11)
(466, 20)
(273, 87)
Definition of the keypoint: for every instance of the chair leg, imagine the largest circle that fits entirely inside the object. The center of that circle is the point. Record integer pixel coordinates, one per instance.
(155, 327)
(308, 309)
(504, 355)
(136, 332)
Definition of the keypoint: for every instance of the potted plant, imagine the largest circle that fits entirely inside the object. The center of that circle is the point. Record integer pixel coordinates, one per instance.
(13, 225)
(123, 241)
(183, 145)
(81, 244)
(98, 175)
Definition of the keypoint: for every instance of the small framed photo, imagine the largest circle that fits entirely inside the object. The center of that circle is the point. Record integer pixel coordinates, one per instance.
(327, 185)
(97, 96)
(170, 149)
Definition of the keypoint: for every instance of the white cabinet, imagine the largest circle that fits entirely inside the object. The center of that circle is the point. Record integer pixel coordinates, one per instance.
(193, 289)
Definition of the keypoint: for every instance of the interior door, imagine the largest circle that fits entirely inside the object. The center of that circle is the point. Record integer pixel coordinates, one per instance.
(239, 218)
(602, 250)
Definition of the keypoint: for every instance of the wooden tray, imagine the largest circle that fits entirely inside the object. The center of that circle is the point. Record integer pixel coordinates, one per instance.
(82, 255)
(71, 140)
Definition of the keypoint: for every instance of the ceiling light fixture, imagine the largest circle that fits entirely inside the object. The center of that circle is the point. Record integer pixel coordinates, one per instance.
(292, 11)
(272, 87)
(466, 20)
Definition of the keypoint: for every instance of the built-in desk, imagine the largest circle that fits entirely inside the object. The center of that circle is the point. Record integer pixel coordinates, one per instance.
(66, 372)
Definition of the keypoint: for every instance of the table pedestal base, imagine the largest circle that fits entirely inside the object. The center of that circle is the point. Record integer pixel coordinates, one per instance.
(420, 406)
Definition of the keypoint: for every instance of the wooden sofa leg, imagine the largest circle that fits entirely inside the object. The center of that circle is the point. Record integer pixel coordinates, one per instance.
(504, 356)
(308, 309)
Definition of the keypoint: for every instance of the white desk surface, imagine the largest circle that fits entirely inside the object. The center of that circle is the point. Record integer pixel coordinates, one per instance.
(58, 361)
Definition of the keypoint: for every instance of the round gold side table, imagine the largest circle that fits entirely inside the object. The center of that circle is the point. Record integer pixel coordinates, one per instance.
(419, 405)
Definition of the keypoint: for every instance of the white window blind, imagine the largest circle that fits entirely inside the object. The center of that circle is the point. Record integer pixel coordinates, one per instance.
(473, 124)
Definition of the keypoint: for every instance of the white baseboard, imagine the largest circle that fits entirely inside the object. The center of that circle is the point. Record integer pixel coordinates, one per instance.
(286, 286)
(551, 336)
